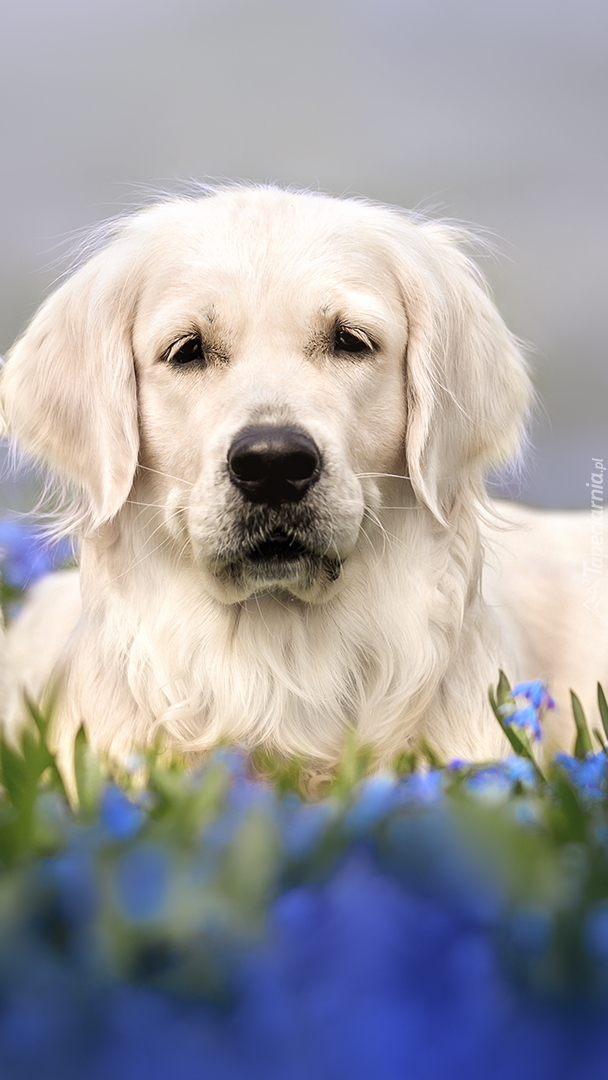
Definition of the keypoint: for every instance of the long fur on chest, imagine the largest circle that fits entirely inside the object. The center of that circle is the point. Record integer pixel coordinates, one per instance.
(385, 656)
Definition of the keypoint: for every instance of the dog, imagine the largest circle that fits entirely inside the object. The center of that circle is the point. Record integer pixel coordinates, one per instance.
(274, 414)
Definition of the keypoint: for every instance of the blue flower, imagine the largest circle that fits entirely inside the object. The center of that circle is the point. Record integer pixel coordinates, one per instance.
(588, 774)
(142, 882)
(519, 770)
(26, 555)
(375, 798)
(526, 717)
(536, 693)
(530, 930)
(120, 818)
(303, 824)
(73, 873)
(595, 933)
(526, 812)
(537, 697)
(490, 784)
(421, 788)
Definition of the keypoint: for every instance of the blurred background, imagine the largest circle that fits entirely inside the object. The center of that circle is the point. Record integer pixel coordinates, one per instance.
(493, 113)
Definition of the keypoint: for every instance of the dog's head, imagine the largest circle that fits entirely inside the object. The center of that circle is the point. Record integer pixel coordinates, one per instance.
(248, 365)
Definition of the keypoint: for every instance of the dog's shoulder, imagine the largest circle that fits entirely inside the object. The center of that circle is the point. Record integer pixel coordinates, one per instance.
(36, 638)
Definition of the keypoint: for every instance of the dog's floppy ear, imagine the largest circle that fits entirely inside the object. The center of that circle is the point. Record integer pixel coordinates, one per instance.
(68, 387)
(468, 390)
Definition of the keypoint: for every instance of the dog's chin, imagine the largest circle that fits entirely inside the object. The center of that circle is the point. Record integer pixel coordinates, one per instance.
(277, 567)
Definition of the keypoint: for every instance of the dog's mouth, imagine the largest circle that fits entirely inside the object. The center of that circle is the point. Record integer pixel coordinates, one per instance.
(279, 547)
(278, 558)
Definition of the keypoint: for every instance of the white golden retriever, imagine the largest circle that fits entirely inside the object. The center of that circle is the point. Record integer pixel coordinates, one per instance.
(275, 413)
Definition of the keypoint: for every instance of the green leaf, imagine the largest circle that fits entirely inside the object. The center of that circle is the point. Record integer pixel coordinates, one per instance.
(600, 739)
(355, 763)
(285, 773)
(405, 762)
(570, 814)
(16, 776)
(87, 774)
(42, 723)
(431, 756)
(583, 744)
(250, 865)
(603, 707)
(518, 740)
(503, 690)
(40, 719)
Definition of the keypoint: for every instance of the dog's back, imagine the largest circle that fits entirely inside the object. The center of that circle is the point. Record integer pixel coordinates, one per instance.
(551, 595)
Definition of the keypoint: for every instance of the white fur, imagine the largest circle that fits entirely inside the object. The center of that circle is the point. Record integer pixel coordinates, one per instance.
(401, 645)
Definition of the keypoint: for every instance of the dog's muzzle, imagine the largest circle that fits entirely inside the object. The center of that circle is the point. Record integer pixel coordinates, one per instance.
(277, 533)
(273, 535)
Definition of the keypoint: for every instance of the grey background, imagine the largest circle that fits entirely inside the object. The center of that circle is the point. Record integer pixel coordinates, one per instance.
(491, 113)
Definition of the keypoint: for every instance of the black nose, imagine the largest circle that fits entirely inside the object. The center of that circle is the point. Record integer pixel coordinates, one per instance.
(273, 464)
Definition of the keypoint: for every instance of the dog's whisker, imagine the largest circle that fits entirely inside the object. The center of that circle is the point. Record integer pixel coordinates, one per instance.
(138, 562)
(183, 549)
(391, 476)
(261, 613)
(383, 534)
(147, 540)
(168, 476)
(158, 511)
(165, 521)
(153, 505)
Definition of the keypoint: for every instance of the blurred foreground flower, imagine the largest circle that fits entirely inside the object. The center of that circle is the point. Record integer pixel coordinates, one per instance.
(118, 815)
(589, 774)
(205, 924)
(26, 554)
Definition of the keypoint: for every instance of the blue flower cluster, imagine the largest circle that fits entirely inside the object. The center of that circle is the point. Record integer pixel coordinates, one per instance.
(447, 922)
(26, 554)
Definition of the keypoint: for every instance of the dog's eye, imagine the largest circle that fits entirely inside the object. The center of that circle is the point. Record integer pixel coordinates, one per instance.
(187, 351)
(351, 341)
